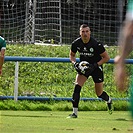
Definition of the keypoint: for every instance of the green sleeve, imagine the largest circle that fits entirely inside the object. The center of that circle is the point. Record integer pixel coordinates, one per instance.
(130, 6)
(129, 13)
(2, 43)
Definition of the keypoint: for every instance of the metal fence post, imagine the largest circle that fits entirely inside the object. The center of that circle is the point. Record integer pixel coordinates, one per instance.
(16, 81)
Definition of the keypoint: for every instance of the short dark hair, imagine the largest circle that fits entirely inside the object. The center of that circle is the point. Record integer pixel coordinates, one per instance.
(83, 26)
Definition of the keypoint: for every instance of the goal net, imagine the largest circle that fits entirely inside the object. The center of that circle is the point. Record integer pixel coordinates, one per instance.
(58, 21)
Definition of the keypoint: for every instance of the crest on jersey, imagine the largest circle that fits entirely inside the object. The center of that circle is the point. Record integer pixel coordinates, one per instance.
(91, 49)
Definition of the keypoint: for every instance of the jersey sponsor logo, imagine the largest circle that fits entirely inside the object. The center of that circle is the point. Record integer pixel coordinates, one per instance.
(85, 49)
(87, 54)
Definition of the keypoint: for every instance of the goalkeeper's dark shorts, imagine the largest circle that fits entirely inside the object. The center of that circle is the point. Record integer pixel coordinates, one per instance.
(97, 75)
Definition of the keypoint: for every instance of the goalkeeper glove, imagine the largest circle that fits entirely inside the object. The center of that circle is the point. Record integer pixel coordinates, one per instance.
(95, 65)
(76, 66)
(91, 68)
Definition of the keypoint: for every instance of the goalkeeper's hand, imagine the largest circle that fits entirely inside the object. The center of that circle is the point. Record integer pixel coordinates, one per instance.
(91, 68)
(95, 65)
(76, 66)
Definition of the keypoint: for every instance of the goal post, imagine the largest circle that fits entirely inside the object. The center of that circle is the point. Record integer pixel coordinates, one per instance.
(30, 12)
(58, 21)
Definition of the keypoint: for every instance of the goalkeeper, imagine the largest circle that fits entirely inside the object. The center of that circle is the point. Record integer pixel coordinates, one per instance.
(2, 52)
(94, 53)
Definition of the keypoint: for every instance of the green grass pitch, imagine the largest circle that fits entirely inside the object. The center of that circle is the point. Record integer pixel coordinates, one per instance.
(56, 122)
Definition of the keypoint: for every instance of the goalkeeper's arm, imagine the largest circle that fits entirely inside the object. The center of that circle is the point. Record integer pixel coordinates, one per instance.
(72, 57)
(105, 58)
(92, 67)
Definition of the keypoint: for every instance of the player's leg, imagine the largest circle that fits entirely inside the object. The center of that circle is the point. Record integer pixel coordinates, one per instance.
(98, 79)
(102, 94)
(80, 80)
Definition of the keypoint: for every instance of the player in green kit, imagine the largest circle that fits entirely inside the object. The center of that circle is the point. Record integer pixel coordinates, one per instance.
(125, 42)
(2, 52)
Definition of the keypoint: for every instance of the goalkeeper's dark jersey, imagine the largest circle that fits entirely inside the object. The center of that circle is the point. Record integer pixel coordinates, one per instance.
(2, 43)
(88, 52)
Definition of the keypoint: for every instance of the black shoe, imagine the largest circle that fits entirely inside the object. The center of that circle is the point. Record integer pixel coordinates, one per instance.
(110, 108)
(72, 116)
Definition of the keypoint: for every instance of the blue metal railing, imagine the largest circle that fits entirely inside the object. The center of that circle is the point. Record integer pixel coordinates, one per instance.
(47, 59)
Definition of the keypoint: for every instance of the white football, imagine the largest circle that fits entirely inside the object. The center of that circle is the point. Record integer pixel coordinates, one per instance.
(83, 65)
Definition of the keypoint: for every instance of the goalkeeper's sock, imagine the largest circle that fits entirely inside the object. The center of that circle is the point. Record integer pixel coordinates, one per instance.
(104, 96)
(110, 107)
(76, 96)
(110, 100)
(75, 111)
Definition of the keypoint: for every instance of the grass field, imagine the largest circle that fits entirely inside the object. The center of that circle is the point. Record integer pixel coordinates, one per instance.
(56, 122)
(50, 79)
